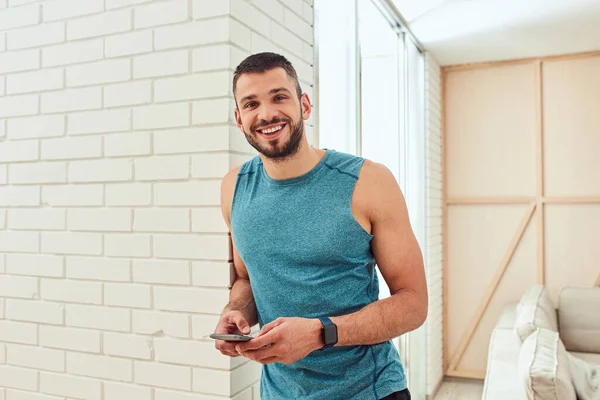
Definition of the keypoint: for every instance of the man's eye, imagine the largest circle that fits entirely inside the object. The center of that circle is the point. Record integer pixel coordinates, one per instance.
(250, 104)
(280, 97)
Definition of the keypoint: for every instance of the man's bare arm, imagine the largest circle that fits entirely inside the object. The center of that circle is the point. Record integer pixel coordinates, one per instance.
(399, 259)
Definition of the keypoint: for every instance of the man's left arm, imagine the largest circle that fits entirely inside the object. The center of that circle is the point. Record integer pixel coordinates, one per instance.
(400, 261)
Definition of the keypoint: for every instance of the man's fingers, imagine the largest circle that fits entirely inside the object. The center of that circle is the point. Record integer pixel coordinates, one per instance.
(258, 342)
(261, 354)
(268, 327)
(226, 348)
(241, 324)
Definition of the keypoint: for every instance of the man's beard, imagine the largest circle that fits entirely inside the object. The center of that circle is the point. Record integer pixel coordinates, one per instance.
(275, 150)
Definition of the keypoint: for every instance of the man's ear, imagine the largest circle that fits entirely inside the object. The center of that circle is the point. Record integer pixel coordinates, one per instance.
(238, 119)
(305, 106)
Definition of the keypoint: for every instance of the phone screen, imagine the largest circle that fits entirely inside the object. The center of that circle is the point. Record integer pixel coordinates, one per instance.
(230, 337)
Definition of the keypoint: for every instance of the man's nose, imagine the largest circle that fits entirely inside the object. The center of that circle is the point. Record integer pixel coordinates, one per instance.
(267, 113)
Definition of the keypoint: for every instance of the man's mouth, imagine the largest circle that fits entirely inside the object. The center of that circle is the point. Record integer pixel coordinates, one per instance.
(272, 130)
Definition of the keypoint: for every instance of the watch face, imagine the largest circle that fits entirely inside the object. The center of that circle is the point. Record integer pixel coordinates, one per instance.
(330, 334)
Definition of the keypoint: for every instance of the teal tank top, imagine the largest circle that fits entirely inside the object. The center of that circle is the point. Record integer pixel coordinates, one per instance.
(307, 256)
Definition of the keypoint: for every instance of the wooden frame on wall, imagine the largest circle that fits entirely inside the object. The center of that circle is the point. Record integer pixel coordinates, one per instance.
(536, 206)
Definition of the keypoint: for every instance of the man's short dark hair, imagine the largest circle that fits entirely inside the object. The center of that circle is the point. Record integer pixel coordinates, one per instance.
(262, 62)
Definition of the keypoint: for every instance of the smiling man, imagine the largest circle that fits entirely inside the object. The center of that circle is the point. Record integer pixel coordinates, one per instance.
(308, 228)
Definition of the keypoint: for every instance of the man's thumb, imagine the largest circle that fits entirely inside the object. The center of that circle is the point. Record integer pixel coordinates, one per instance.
(242, 325)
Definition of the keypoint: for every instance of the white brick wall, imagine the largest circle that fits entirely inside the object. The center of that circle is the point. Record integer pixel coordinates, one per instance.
(433, 253)
(116, 125)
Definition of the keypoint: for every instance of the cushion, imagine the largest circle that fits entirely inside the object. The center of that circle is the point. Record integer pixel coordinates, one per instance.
(591, 358)
(579, 319)
(535, 310)
(544, 367)
(502, 377)
(586, 379)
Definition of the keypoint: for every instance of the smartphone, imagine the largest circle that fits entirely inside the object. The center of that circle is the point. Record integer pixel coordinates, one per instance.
(229, 337)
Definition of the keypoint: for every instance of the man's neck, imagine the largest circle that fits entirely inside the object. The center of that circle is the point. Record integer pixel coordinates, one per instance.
(305, 159)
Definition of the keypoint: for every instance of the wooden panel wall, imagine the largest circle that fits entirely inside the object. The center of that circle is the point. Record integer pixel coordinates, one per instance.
(521, 166)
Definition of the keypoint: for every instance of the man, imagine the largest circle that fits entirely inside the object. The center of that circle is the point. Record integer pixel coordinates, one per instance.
(308, 227)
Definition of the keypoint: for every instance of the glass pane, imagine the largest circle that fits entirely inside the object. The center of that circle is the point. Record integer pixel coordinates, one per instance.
(335, 33)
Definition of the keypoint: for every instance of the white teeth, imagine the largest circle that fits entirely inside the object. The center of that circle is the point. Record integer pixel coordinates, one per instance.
(272, 129)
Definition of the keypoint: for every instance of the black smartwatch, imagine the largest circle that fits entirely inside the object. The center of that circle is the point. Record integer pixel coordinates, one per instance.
(328, 332)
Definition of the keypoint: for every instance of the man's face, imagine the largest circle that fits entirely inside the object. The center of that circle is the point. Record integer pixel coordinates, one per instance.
(270, 114)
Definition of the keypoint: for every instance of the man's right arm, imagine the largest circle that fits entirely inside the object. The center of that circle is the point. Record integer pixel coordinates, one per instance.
(239, 315)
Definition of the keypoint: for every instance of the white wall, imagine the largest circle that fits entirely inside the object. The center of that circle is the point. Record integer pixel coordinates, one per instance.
(115, 129)
(433, 252)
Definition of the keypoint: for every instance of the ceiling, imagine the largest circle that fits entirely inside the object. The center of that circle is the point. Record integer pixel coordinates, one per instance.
(467, 31)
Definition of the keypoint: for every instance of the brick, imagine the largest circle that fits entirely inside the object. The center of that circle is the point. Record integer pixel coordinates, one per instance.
(161, 375)
(213, 382)
(39, 219)
(102, 121)
(127, 295)
(100, 72)
(100, 366)
(189, 352)
(109, 319)
(19, 16)
(162, 272)
(46, 172)
(206, 85)
(63, 9)
(212, 111)
(161, 220)
(240, 34)
(162, 167)
(131, 346)
(153, 322)
(34, 264)
(125, 94)
(172, 395)
(100, 170)
(271, 7)
(42, 126)
(298, 25)
(36, 36)
(18, 395)
(286, 39)
(190, 299)
(2, 93)
(127, 144)
(121, 391)
(34, 311)
(72, 195)
(2, 226)
(19, 241)
(192, 140)
(123, 3)
(37, 81)
(17, 286)
(193, 193)
(99, 25)
(72, 100)
(71, 243)
(70, 338)
(19, 378)
(35, 357)
(161, 116)
(99, 219)
(212, 165)
(128, 44)
(19, 197)
(15, 106)
(127, 245)
(212, 274)
(192, 34)
(161, 64)
(18, 332)
(13, 3)
(129, 194)
(19, 151)
(209, 9)
(102, 269)
(208, 220)
(259, 43)
(69, 291)
(73, 52)
(3, 177)
(70, 386)
(203, 325)
(70, 148)
(163, 13)
(191, 246)
(249, 15)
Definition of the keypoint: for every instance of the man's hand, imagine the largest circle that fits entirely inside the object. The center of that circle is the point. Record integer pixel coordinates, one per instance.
(285, 340)
(231, 322)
